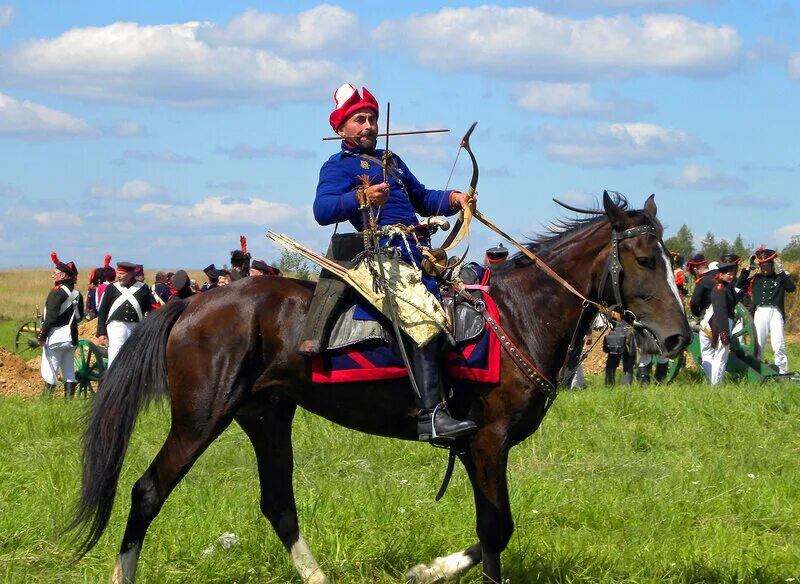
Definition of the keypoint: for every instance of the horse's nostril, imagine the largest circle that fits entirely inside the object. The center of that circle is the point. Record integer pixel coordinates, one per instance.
(673, 343)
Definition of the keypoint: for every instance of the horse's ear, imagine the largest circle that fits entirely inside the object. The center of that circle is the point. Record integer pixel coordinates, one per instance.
(615, 215)
(650, 205)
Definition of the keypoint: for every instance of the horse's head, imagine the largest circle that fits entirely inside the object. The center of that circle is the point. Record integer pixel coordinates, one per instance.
(639, 276)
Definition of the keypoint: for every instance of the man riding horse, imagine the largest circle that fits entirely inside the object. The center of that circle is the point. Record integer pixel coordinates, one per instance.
(361, 177)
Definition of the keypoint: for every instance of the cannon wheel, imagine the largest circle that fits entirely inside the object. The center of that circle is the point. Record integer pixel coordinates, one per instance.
(26, 345)
(89, 366)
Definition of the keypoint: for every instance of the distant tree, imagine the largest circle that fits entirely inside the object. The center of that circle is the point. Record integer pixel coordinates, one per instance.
(682, 242)
(740, 249)
(713, 249)
(294, 263)
(791, 253)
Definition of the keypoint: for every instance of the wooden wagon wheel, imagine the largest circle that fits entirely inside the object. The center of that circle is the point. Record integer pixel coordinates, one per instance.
(90, 362)
(26, 344)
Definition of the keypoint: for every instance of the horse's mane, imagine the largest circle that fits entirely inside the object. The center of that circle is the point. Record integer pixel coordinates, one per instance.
(562, 229)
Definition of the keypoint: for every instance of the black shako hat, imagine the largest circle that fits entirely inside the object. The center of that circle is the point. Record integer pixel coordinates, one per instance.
(69, 268)
(180, 280)
(726, 267)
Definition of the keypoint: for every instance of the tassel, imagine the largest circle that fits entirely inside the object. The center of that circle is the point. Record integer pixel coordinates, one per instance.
(243, 243)
(54, 257)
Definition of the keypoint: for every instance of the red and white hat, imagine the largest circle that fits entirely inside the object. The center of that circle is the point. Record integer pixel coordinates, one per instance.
(348, 100)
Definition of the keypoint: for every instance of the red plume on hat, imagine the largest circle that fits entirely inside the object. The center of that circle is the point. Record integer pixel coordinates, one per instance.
(69, 268)
(348, 100)
(107, 261)
(243, 243)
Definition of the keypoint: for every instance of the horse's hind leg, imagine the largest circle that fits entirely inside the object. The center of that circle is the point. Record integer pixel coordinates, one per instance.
(183, 446)
(270, 430)
(445, 567)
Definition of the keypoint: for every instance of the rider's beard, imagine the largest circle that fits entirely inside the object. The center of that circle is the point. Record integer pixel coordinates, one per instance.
(367, 140)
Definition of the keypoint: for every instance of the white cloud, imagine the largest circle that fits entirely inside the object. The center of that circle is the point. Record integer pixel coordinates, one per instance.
(623, 4)
(794, 66)
(321, 29)
(616, 144)
(56, 219)
(6, 14)
(573, 100)
(131, 190)
(224, 210)
(783, 235)
(524, 42)
(701, 178)
(126, 62)
(27, 119)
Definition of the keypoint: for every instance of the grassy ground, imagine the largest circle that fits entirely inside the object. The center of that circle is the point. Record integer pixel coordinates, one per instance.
(681, 484)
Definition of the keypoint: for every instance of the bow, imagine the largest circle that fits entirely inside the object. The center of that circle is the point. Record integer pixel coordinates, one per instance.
(457, 230)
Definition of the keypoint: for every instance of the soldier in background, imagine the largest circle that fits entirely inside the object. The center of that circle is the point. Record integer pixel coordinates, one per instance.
(619, 347)
(182, 285)
(124, 306)
(59, 333)
(723, 302)
(495, 256)
(213, 278)
(766, 290)
(262, 268)
(700, 305)
(161, 289)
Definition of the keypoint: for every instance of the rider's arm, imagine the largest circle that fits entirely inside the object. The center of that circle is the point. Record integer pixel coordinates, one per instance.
(336, 194)
(426, 202)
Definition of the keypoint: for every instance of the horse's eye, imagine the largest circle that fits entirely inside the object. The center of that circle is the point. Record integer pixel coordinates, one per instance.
(646, 262)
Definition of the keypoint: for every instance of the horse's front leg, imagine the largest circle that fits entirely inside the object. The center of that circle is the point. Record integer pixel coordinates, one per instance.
(485, 461)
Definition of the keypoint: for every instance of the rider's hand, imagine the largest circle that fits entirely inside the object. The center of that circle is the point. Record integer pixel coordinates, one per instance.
(459, 200)
(377, 195)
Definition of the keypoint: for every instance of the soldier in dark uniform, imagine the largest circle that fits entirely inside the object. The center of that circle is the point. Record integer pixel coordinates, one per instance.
(619, 346)
(723, 303)
(182, 285)
(700, 304)
(766, 290)
(58, 336)
(124, 305)
(240, 261)
(161, 289)
(213, 278)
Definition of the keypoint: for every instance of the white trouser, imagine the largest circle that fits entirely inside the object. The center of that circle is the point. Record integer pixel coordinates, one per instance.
(62, 357)
(719, 359)
(707, 352)
(768, 321)
(118, 333)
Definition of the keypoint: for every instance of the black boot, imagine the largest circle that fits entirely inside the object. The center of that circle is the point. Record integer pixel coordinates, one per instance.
(661, 371)
(48, 391)
(69, 389)
(643, 374)
(611, 375)
(434, 423)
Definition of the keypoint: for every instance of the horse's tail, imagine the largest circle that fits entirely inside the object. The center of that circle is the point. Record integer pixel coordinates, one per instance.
(137, 376)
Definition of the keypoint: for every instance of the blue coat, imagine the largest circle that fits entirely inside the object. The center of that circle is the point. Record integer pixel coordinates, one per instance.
(336, 199)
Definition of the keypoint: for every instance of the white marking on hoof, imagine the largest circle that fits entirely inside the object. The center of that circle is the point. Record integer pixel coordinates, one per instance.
(440, 569)
(305, 564)
(125, 568)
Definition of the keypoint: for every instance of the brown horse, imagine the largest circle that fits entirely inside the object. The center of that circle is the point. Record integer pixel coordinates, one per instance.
(230, 355)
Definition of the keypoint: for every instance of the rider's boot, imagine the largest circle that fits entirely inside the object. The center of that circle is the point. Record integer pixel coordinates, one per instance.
(48, 391)
(69, 389)
(434, 423)
(643, 374)
(661, 372)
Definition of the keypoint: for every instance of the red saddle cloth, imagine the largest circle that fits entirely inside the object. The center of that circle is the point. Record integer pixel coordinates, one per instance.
(476, 360)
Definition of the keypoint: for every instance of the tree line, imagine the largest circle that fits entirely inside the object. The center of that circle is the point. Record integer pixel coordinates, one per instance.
(712, 248)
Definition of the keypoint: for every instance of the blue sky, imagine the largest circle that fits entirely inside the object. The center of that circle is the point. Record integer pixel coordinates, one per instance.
(160, 132)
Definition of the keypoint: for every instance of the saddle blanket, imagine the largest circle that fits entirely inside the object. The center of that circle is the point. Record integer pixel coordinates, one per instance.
(475, 360)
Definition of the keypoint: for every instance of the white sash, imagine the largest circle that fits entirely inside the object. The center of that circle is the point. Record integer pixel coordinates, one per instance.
(126, 295)
(62, 335)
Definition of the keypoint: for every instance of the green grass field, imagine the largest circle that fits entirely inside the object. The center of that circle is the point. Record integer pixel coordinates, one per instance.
(684, 483)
